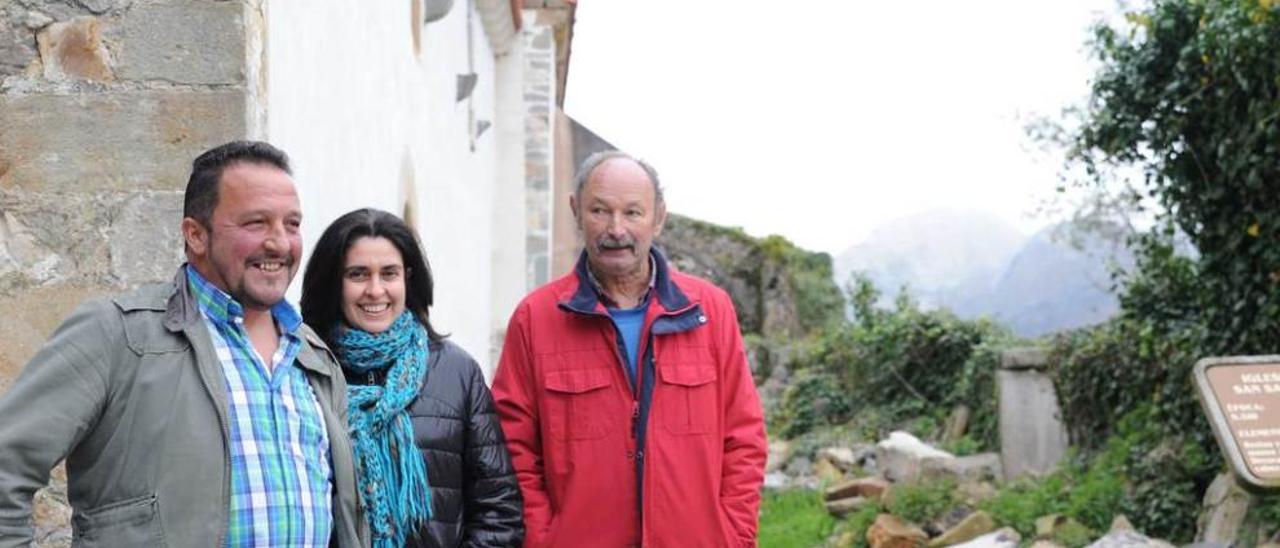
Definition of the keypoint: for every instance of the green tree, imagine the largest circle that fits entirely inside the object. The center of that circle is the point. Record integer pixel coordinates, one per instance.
(1189, 91)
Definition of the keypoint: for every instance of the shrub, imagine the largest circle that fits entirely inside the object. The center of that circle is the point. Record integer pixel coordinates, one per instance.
(906, 364)
(813, 399)
(922, 502)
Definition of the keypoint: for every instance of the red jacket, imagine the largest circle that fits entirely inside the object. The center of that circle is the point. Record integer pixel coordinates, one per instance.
(582, 439)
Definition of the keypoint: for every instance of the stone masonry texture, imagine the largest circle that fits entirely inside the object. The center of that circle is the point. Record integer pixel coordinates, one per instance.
(124, 140)
(74, 50)
(184, 43)
(103, 106)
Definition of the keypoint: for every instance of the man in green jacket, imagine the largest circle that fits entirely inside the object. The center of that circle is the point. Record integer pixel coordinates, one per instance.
(201, 412)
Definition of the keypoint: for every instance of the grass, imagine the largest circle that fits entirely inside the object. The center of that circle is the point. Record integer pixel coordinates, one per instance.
(794, 518)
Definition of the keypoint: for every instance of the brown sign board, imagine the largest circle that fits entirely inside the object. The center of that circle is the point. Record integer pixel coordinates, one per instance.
(1241, 398)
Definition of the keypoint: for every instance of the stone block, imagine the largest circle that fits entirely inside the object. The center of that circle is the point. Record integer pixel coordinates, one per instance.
(1024, 358)
(1004, 538)
(1127, 539)
(799, 466)
(827, 472)
(52, 238)
(776, 480)
(145, 240)
(74, 50)
(1224, 510)
(901, 457)
(972, 526)
(779, 453)
(841, 457)
(974, 493)
(35, 20)
(969, 468)
(183, 42)
(889, 531)
(17, 47)
(1033, 439)
(845, 506)
(104, 6)
(122, 141)
(114, 238)
(870, 488)
(41, 310)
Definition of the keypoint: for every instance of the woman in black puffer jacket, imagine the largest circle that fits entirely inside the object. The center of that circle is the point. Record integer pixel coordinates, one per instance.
(367, 291)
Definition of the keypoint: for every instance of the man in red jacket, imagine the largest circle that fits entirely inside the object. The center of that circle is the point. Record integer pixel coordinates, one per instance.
(624, 391)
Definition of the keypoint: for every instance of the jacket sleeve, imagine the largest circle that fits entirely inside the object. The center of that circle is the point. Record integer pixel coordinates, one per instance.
(745, 445)
(491, 492)
(52, 405)
(514, 394)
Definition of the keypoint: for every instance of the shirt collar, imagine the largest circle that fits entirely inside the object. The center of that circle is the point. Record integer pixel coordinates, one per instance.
(607, 301)
(218, 306)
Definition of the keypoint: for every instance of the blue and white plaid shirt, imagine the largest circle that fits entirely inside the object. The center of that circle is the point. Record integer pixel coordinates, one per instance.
(281, 480)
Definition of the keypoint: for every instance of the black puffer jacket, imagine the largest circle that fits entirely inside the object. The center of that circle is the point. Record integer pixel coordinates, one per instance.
(475, 498)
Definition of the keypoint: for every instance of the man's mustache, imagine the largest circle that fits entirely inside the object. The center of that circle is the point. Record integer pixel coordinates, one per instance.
(606, 242)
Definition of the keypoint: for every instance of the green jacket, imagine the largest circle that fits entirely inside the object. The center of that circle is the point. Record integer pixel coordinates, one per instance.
(129, 391)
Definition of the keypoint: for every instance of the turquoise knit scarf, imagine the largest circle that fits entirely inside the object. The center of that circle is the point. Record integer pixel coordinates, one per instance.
(391, 472)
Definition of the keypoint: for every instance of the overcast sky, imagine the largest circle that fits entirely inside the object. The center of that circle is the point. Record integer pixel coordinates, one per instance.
(821, 120)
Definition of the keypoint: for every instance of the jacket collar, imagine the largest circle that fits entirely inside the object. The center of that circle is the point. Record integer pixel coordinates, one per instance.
(182, 313)
(586, 299)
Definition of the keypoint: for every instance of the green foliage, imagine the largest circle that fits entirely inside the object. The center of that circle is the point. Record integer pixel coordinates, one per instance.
(793, 518)
(1167, 473)
(922, 502)
(1262, 523)
(966, 445)
(906, 364)
(855, 526)
(1127, 381)
(1090, 492)
(1151, 477)
(1189, 93)
(813, 399)
(1018, 504)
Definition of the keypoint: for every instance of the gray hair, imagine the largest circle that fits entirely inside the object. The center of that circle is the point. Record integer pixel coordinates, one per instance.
(593, 161)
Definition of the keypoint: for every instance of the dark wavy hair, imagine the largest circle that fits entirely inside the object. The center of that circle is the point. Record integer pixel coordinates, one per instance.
(322, 282)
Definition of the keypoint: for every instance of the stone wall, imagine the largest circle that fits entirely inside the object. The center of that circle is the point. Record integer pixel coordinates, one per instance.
(1033, 439)
(540, 105)
(103, 105)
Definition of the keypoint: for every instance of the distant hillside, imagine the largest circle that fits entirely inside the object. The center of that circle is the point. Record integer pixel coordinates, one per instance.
(947, 258)
(977, 265)
(1051, 285)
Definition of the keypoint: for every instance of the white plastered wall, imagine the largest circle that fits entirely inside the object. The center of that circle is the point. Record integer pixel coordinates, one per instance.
(370, 122)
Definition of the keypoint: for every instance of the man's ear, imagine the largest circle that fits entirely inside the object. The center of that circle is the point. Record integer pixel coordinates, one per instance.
(573, 206)
(196, 236)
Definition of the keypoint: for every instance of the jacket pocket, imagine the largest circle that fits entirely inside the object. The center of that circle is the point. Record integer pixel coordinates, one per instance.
(131, 522)
(578, 403)
(688, 398)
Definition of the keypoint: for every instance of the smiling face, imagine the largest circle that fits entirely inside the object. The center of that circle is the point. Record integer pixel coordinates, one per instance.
(619, 216)
(253, 243)
(373, 284)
